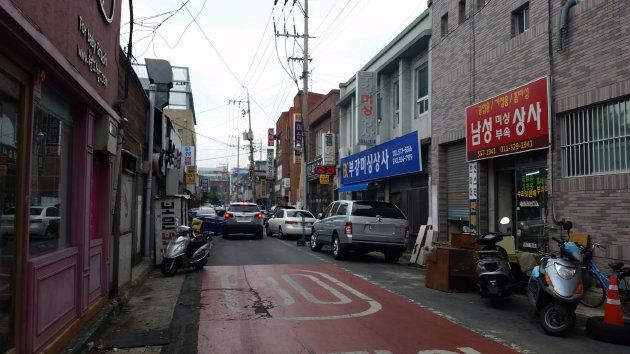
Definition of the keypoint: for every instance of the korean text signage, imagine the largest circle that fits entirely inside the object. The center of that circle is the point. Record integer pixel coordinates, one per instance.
(513, 122)
(328, 153)
(310, 169)
(472, 193)
(189, 155)
(297, 135)
(271, 138)
(270, 167)
(395, 157)
(167, 216)
(366, 107)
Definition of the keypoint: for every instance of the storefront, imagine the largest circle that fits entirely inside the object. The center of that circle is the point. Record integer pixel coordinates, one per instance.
(57, 146)
(507, 147)
(391, 171)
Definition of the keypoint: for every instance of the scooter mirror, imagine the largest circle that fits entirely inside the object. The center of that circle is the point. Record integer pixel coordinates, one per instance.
(182, 229)
(504, 220)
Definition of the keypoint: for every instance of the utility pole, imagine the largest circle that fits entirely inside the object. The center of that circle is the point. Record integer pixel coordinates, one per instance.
(249, 135)
(305, 109)
(238, 165)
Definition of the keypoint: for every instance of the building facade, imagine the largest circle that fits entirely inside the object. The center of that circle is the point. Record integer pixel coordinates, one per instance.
(288, 160)
(58, 84)
(322, 140)
(394, 167)
(564, 159)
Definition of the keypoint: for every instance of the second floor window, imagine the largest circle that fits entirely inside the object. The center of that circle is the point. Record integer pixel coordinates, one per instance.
(520, 20)
(422, 90)
(396, 103)
(444, 25)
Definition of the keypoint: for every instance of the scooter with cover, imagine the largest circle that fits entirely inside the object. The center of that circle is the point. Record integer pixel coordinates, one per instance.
(186, 249)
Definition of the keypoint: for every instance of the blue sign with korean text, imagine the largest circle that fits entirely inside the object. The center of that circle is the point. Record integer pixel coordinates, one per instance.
(396, 157)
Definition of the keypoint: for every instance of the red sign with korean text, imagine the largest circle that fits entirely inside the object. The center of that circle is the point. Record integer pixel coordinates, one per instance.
(513, 122)
(325, 170)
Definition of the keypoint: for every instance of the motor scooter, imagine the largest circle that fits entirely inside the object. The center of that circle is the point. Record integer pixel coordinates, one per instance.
(494, 275)
(555, 287)
(186, 249)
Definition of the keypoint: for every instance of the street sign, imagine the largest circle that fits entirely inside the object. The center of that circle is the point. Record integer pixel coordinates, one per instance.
(324, 179)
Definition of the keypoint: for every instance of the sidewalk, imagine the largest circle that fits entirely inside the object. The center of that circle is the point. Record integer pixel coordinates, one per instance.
(85, 337)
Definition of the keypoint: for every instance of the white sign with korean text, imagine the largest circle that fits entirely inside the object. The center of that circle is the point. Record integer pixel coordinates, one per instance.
(328, 153)
(366, 107)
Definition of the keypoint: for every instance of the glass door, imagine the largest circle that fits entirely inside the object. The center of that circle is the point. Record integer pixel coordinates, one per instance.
(531, 203)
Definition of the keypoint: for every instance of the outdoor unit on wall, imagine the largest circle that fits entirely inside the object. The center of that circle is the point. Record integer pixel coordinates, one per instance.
(105, 134)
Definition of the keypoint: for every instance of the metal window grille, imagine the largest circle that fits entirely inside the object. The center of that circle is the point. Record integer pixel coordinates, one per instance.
(596, 140)
(396, 100)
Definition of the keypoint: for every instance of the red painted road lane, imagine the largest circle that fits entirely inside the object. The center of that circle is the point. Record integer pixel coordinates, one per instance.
(319, 308)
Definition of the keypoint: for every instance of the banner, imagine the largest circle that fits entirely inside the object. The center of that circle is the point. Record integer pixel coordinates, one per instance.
(189, 155)
(191, 177)
(204, 185)
(396, 157)
(366, 107)
(513, 122)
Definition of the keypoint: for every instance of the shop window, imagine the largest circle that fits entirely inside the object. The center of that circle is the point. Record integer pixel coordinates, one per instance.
(520, 19)
(396, 103)
(50, 176)
(11, 115)
(422, 91)
(596, 140)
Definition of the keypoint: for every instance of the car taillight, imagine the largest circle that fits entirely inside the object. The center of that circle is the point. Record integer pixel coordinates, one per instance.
(228, 215)
(491, 267)
(407, 231)
(259, 216)
(348, 228)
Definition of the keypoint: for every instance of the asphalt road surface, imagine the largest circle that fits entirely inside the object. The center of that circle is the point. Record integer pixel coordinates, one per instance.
(270, 296)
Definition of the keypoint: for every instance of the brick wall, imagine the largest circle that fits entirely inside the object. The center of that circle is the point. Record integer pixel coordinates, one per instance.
(480, 58)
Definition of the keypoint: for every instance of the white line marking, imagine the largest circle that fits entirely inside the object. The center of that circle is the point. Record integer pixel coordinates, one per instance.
(288, 299)
(310, 297)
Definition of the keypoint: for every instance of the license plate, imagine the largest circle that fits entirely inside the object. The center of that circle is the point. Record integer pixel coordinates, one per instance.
(242, 220)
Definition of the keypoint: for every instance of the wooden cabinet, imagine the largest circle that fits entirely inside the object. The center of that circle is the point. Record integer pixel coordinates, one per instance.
(451, 270)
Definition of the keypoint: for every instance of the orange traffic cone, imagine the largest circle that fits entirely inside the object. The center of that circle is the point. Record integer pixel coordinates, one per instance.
(612, 311)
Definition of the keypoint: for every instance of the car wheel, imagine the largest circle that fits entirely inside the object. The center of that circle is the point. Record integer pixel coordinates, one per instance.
(259, 235)
(268, 231)
(315, 246)
(392, 257)
(338, 253)
(280, 234)
(169, 267)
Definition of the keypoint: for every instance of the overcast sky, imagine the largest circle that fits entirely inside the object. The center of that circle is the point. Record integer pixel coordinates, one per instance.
(232, 44)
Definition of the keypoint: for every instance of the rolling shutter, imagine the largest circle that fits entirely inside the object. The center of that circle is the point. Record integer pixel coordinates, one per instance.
(457, 182)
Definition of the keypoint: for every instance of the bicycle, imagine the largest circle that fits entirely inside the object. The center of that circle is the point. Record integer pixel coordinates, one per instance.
(596, 282)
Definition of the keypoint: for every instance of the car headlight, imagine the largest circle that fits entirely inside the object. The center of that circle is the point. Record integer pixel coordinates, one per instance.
(565, 272)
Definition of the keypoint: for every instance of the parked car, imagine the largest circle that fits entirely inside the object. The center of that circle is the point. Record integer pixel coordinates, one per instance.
(363, 226)
(43, 222)
(289, 222)
(243, 218)
(273, 210)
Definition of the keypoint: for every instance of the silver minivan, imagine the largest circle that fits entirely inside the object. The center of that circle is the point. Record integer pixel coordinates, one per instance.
(362, 226)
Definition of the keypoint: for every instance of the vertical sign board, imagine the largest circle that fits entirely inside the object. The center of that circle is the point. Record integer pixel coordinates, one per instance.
(189, 155)
(204, 185)
(271, 138)
(270, 167)
(168, 212)
(366, 107)
(297, 136)
(472, 194)
(328, 153)
(513, 122)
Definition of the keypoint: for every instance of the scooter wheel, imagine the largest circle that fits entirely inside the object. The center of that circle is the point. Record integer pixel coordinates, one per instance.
(557, 319)
(597, 329)
(169, 267)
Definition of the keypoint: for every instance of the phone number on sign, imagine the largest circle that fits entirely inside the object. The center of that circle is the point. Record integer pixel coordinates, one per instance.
(505, 149)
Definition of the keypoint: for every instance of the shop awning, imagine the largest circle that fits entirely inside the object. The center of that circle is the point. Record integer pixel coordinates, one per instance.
(354, 187)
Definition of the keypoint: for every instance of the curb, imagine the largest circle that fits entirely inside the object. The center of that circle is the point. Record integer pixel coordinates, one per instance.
(97, 325)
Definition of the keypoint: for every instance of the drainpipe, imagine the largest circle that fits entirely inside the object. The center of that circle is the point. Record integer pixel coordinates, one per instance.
(563, 20)
(148, 196)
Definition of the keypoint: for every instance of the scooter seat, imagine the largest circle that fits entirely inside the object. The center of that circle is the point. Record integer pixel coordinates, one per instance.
(616, 265)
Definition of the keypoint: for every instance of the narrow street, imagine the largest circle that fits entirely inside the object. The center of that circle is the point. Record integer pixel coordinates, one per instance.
(271, 296)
